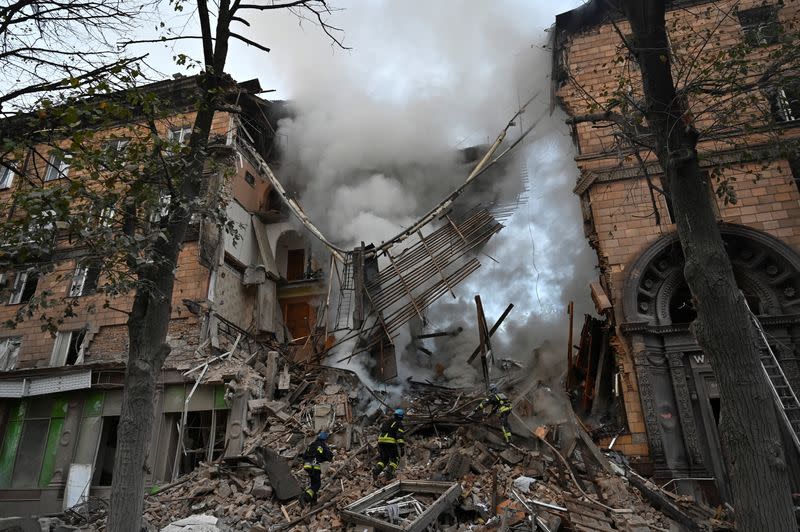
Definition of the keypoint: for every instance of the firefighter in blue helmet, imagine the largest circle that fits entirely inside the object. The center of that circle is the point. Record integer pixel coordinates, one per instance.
(316, 453)
(391, 445)
(500, 404)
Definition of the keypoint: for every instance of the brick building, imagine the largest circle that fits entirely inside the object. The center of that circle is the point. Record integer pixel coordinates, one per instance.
(639, 372)
(60, 394)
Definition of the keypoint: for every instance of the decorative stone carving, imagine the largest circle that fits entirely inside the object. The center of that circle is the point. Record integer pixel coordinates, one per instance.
(647, 397)
(684, 402)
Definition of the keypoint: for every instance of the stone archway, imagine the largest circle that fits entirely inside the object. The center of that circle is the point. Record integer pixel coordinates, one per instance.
(677, 386)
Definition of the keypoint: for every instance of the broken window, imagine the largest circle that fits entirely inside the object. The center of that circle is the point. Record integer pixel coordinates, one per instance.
(785, 103)
(106, 217)
(9, 352)
(203, 438)
(162, 209)
(24, 287)
(68, 349)
(114, 146)
(84, 280)
(295, 264)
(760, 25)
(250, 179)
(794, 166)
(6, 177)
(180, 134)
(57, 166)
(104, 463)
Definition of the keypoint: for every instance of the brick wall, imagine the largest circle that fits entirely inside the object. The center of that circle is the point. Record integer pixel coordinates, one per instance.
(622, 222)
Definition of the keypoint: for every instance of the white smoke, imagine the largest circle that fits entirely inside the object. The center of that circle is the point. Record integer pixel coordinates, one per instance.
(374, 142)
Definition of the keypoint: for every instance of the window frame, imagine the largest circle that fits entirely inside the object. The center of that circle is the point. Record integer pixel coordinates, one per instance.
(57, 166)
(754, 20)
(59, 358)
(7, 175)
(180, 134)
(21, 279)
(5, 342)
(82, 273)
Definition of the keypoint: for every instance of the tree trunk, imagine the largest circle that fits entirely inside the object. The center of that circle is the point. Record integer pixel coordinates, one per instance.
(749, 431)
(148, 325)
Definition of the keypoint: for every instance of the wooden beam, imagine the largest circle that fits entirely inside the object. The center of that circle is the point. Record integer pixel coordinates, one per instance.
(571, 312)
(405, 285)
(436, 264)
(482, 334)
(492, 331)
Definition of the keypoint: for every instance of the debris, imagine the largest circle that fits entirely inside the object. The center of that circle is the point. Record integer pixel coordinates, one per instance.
(195, 523)
(523, 483)
(280, 474)
(404, 505)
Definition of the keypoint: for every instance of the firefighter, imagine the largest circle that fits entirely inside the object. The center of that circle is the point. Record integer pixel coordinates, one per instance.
(391, 445)
(316, 453)
(499, 403)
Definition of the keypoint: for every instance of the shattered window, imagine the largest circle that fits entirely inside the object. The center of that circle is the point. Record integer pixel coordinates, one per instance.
(9, 352)
(84, 280)
(6, 177)
(203, 439)
(794, 166)
(785, 103)
(24, 287)
(760, 25)
(57, 166)
(69, 348)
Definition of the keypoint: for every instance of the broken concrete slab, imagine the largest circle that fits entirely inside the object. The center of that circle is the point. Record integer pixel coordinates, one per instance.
(195, 523)
(284, 484)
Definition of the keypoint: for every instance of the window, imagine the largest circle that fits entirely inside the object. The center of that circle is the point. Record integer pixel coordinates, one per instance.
(24, 287)
(794, 166)
(180, 134)
(6, 177)
(69, 348)
(250, 179)
(760, 25)
(104, 463)
(32, 442)
(84, 280)
(57, 166)
(295, 264)
(163, 208)
(9, 352)
(785, 103)
(106, 218)
(117, 145)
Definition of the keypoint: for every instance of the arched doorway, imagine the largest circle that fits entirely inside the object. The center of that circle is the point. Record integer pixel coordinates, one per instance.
(677, 387)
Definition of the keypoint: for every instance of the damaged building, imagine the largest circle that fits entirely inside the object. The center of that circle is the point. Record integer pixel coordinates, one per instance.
(638, 375)
(60, 394)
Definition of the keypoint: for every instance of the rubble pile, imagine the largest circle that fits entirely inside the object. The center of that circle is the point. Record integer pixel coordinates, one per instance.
(457, 473)
(498, 486)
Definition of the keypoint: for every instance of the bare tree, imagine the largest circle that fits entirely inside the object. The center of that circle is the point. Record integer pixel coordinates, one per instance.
(671, 97)
(50, 46)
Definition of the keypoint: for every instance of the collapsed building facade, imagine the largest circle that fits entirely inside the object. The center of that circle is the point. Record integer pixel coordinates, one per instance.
(639, 375)
(60, 394)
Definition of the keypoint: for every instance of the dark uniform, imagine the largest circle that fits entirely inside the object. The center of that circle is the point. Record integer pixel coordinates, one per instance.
(499, 403)
(391, 445)
(316, 453)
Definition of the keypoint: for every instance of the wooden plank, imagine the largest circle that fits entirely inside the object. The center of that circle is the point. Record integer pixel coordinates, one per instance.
(436, 264)
(585, 510)
(492, 331)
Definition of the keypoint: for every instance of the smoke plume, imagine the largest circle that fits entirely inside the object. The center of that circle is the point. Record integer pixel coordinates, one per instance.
(374, 143)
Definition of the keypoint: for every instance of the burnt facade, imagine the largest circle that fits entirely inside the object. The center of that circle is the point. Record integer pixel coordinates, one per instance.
(666, 391)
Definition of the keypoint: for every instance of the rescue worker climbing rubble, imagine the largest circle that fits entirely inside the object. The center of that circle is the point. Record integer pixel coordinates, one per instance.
(500, 404)
(391, 445)
(315, 454)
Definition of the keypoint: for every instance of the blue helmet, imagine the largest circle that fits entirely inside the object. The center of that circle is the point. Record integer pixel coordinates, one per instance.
(322, 436)
(493, 388)
(399, 413)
